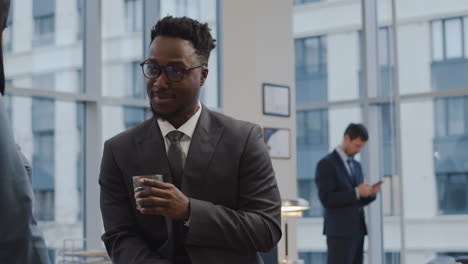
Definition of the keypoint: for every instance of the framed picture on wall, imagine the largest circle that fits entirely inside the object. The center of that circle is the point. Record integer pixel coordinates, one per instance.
(276, 100)
(278, 142)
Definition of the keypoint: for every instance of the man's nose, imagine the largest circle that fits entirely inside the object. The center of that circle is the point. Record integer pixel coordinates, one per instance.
(161, 81)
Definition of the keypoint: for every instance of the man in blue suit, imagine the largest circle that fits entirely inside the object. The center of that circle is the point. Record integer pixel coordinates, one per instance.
(343, 194)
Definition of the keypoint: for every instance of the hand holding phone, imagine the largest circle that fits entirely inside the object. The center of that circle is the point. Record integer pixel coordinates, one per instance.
(377, 183)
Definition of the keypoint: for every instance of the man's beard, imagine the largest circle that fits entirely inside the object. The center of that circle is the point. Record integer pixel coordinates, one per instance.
(165, 116)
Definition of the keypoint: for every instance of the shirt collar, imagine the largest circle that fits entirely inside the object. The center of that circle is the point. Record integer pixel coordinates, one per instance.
(342, 154)
(188, 128)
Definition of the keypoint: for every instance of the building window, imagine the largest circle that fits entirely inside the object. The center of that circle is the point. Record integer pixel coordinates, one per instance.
(449, 53)
(448, 38)
(452, 193)
(133, 116)
(44, 22)
(136, 87)
(44, 205)
(312, 145)
(311, 70)
(43, 159)
(190, 8)
(450, 144)
(299, 2)
(134, 15)
(451, 116)
(392, 258)
(312, 127)
(313, 257)
(79, 9)
(385, 58)
(8, 31)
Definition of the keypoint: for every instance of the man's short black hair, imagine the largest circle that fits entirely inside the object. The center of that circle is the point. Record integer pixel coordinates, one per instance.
(357, 131)
(188, 29)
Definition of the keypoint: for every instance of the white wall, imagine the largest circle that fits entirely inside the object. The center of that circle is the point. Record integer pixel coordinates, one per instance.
(258, 48)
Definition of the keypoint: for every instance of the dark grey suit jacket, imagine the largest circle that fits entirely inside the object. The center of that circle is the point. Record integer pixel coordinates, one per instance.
(344, 214)
(20, 239)
(228, 176)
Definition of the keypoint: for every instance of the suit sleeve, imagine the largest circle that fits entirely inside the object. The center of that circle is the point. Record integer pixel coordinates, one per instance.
(326, 180)
(16, 227)
(255, 225)
(121, 237)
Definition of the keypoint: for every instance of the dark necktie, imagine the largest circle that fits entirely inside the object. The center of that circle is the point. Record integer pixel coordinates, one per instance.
(174, 156)
(352, 171)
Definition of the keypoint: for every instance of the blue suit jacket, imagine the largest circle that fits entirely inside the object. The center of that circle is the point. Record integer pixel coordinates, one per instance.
(343, 211)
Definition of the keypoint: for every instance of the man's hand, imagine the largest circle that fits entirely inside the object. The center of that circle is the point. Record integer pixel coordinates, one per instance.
(365, 190)
(164, 199)
(376, 188)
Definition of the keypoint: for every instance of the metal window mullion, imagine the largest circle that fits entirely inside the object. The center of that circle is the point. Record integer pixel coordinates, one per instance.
(398, 133)
(444, 56)
(92, 74)
(370, 116)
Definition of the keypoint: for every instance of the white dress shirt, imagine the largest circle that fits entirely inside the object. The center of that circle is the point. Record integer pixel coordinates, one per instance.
(187, 128)
(344, 157)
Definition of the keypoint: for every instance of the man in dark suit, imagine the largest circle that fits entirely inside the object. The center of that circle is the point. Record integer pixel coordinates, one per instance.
(219, 202)
(343, 194)
(21, 240)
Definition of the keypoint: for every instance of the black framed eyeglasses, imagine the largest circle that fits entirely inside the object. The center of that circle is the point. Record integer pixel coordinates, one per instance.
(173, 73)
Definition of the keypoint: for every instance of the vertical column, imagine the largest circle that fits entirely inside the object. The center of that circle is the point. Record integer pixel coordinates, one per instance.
(371, 114)
(92, 73)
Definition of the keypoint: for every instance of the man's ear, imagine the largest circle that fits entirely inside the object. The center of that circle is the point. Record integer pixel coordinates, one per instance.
(203, 76)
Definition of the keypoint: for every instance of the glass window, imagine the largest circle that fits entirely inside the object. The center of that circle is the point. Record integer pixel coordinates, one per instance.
(453, 38)
(312, 144)
(465, 28)
(134, 15)
(8, 38)
(79, 9)
(133, 116)
(311, 70)
(437, 40)
(440, 112)
(456, 116)
(137, 82)
(206, 12)
(392, 258)
(50, 135)
(312, 55)
(452, 193)
(313, 257)
(44, 30)
(384, 44)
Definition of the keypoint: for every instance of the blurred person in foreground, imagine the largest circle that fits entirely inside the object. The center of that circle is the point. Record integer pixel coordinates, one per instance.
(20, 239)
(219, 202)
(343, 194)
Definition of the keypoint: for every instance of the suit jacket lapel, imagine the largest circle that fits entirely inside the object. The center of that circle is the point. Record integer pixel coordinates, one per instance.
(341, 167)
(202, 146)
(153, 159)
(152, 151)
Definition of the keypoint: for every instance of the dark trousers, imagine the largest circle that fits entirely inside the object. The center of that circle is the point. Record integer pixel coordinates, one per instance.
(345, 250)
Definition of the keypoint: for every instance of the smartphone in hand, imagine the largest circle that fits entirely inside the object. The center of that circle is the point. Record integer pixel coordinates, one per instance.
(377, 183)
